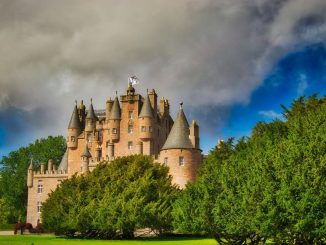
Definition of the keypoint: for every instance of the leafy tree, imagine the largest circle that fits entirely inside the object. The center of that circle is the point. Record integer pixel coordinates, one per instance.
(113, 200)
(13, 173)
(270, 185)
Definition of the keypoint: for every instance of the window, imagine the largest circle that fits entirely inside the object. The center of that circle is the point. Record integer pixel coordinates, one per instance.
(143, 128)
(150, 129)
(114, 131)
(130, 114)
(130, 129)
(40, 186)
(73, 138)
(129, 145)
(38, 207)
(165, 161)
(181, 161)
(89, 137)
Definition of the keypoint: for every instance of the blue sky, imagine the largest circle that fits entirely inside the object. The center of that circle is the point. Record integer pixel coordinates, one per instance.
(301, 73)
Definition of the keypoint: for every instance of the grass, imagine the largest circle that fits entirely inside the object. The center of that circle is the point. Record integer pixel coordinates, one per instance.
(52, 240)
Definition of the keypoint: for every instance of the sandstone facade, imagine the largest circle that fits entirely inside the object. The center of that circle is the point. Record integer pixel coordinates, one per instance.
(131, 125)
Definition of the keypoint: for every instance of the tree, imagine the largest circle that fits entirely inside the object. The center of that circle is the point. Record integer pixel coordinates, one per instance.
(113, 200)
(13, 173)
(271, 185)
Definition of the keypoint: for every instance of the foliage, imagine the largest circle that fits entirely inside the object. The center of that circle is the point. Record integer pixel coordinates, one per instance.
(113, 200)
(13, 174)
(270, 185)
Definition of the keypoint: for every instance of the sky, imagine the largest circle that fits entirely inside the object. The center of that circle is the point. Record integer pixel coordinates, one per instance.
(232, 62)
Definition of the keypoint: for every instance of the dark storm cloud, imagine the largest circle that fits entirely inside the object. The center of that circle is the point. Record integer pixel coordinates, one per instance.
(210, 54)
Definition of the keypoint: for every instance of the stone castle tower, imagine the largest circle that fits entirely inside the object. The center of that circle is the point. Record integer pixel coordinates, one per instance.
(133, 125)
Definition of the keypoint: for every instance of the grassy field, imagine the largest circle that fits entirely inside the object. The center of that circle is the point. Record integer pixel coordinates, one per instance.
(52, 240)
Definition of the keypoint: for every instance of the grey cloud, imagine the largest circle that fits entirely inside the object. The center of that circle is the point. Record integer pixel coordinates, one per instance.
(210, 53)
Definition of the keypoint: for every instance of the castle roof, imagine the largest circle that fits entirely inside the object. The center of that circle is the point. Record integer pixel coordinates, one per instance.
(74, 120)
(146, 110)
(115, 111)
(63, 166)
(86, 152)
(31, 166)
(179, 135)
(90, 112)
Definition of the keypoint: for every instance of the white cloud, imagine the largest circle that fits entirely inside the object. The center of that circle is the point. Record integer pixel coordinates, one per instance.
(208, 53)
(303, 84)
(270, 114)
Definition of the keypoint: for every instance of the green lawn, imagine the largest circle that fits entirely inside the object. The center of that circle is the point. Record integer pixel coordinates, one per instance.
(52, 240)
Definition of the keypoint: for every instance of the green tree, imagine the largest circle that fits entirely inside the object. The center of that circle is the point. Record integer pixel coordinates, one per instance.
(113, 200)
(270, 185)
(13, 173)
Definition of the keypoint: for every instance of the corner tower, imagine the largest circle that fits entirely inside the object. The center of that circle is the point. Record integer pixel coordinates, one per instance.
(180, 154)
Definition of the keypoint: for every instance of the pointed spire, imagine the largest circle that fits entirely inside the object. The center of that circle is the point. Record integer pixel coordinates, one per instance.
(81, 106)
(179, 135)
(115, 111)
(31, 166)
(90, 112)
(86, 152)
(146, 110)
(74, 120)
(63, 166)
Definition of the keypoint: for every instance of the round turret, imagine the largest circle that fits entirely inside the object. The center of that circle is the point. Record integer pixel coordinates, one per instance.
(85, 156)
(90, 121)
(30, 175)
(179, 154)
(114, 122)
(183, 164)
(146, 120)
(74, 129)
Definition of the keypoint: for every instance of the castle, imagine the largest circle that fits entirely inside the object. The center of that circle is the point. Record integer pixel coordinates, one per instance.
(135, 125)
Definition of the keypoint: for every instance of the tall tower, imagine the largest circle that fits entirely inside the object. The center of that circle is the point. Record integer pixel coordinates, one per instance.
(74, 129)
(179, 154)
(146, 123)
(90, 120)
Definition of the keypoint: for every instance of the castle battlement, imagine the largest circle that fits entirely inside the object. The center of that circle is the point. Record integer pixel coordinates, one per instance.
(129, 124)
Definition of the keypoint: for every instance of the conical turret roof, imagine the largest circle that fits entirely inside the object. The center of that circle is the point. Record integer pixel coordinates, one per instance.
(90, 112)
(74, 120)
(115, 111)
(86, 152)
(146, 110)
(179, 135)
(63, 166)
(31, 166)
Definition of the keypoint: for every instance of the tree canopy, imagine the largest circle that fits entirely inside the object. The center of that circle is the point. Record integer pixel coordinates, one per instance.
(113, 200)
(13, 189)
(271, 185)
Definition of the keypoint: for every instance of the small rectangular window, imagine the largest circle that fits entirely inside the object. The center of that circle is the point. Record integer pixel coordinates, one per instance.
(40, 186)
(129, 145)
(130, 129)
(181, 161)
(130, 114)
(143, 128)
(73, 138)
(38, 207)
(150, 129)
(165, 161)
(114, 131)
